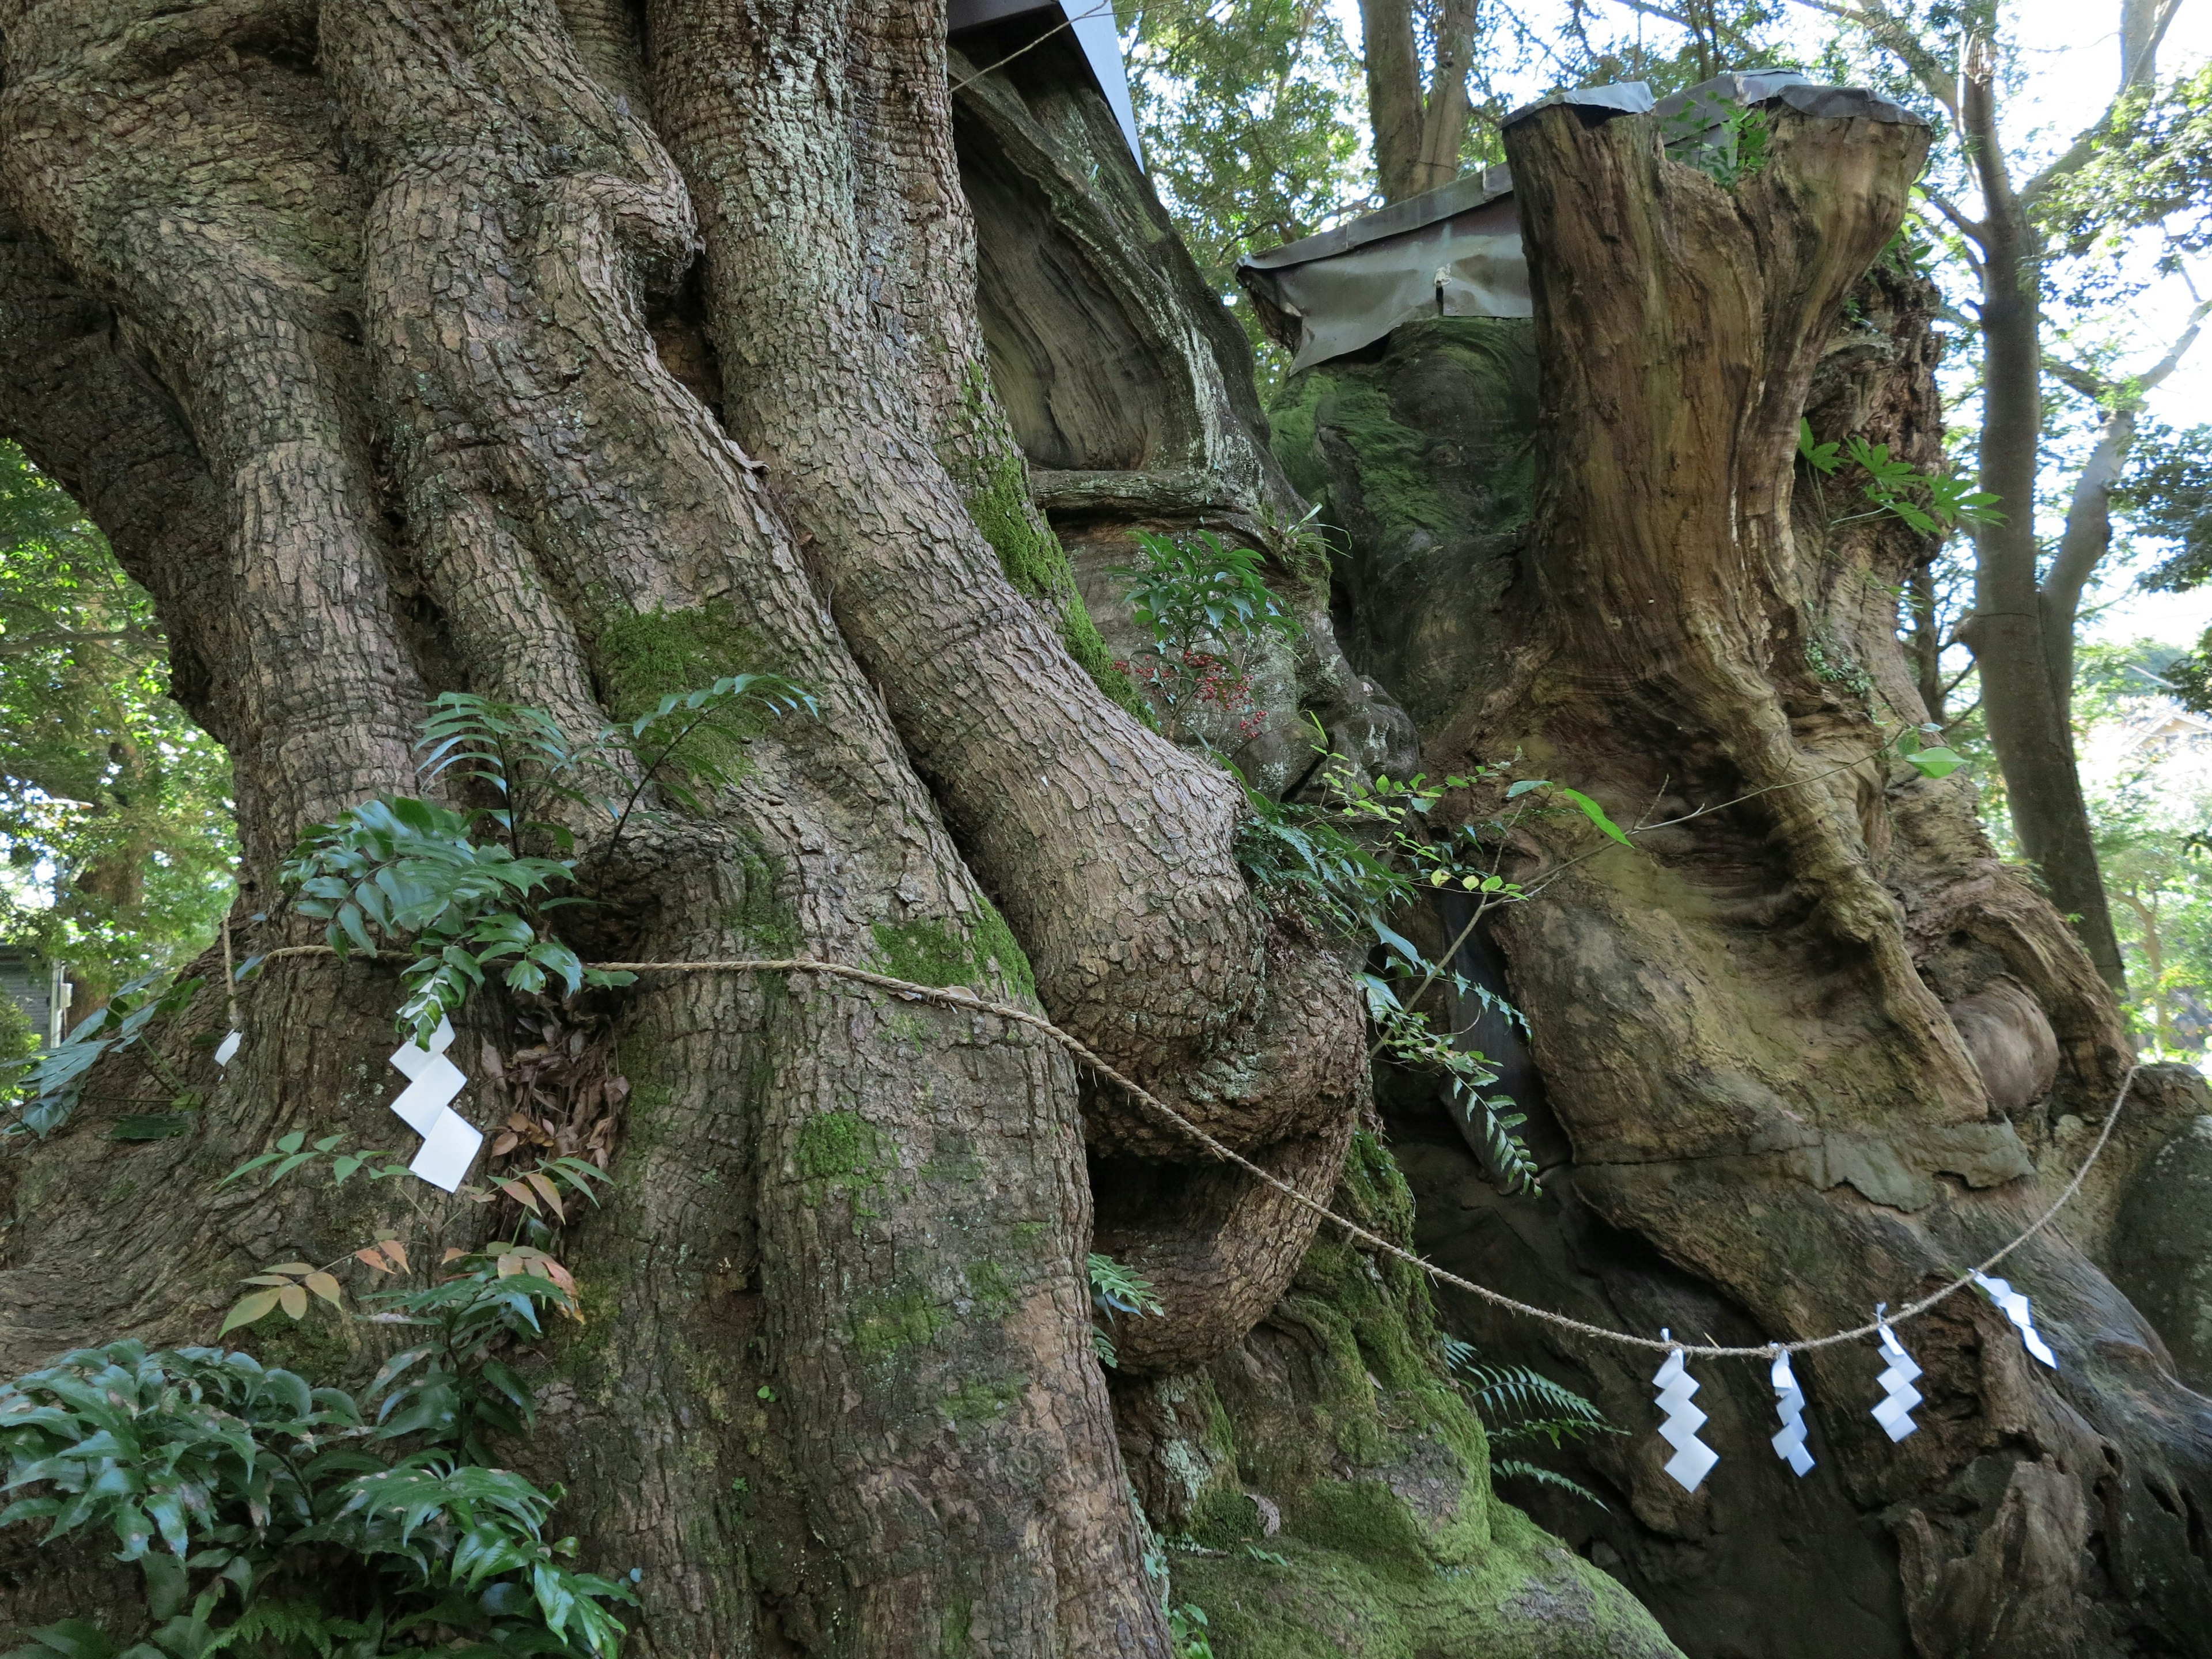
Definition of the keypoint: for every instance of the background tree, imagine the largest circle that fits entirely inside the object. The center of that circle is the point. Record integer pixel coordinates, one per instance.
(2028, 595)
(114, 807)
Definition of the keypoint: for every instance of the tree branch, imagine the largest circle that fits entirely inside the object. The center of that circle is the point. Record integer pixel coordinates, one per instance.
(1973, 229)
(13, 646)
(2137, 72)
(1894, 34)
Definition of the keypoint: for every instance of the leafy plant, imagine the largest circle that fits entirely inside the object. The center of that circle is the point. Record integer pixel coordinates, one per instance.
(1727, 144)
(270, 1516)
(1186, 1627)
(1928, 501)
(54, 1079)
(1364, 850)
(1517, 1403)
(1116, 1290)
(425, 877)
(1188, 592)
(537, 1192)
(1193, 596)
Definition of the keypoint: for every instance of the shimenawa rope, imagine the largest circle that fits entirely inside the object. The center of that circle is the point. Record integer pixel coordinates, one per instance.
(960, 997)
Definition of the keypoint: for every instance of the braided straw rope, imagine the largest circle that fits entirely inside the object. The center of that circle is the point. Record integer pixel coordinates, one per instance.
(960, 997)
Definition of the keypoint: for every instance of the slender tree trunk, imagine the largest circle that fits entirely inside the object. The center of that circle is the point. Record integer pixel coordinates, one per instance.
(2021, 643)
(1394, 95)
(1926, 641)
(1417, 133)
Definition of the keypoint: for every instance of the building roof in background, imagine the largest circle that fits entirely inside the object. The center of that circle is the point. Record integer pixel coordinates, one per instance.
(1091, 23)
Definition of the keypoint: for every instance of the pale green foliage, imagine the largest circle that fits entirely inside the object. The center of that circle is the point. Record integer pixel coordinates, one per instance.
(1186, 1626)
(1251, 114)
(1116, 1290)
(2149, 169)
(1738, 151)
(272, 1517)
(2147, 780)
(1931, 502)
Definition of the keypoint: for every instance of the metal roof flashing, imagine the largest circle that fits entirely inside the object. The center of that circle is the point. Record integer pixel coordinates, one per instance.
(1456, 251)
(1091, 23)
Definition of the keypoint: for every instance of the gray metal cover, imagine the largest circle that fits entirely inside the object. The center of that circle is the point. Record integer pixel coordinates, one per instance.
(1456, 251)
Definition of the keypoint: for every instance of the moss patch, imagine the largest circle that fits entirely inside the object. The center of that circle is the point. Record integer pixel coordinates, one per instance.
(931, 953)
(1530, 1597)
(888, 1322)
(997, 501)
(649, 654)
(1396, 1547)
(1394, 474)
(980, 1401)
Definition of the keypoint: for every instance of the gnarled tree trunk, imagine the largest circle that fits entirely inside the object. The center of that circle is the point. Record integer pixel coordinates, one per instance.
(1811, 1048)
(576, 354)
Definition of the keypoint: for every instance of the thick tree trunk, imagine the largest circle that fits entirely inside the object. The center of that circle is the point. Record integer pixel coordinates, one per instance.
(1804, 1052)
(369, 333)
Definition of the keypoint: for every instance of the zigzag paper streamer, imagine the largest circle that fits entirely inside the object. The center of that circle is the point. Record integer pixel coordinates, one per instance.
(449, 1140)
(1790, 1406)
(2015, 1307)
(1692, 1460)
(1894, 1413)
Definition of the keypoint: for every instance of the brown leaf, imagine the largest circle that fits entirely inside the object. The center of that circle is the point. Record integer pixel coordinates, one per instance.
(547, 1191)
(368, 1256)
(453, 1253)
(521, 1194)
(289, 1267)
(327, 1288)
(491, 1065)
(506, 1142)
(559, 1274)
(293, 1300)
(248, 1309)
(510, 1266)
(279, 1279)
(397, 1251)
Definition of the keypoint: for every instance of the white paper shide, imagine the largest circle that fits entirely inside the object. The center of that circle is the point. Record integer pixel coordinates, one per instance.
(425, 1105)
(2014, 1306)
(1692, 1460)
(1898, 1396)
(1789, 1407)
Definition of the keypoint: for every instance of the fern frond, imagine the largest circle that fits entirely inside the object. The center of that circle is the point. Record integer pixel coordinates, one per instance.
(1512, 1468)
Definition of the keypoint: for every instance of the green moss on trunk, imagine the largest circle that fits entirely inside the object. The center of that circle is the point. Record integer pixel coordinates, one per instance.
(997, 493)
(1340, 1417)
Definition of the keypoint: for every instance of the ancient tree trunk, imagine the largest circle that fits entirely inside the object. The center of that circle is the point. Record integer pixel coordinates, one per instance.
(579, 353)
(1809, 1047)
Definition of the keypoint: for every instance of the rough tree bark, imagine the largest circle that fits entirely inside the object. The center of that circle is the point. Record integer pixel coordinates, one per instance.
(579, 353)
(1802, 1053)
